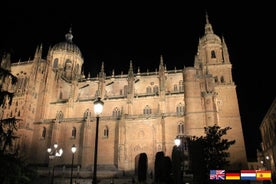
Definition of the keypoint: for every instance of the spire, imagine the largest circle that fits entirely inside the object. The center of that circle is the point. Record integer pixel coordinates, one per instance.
(225, 52)
(102, 74)
(102, 68)
(69, 36)
(130, 82)
(161, 65)
(208, 26)
(113, 73)
(130, 71)
(161, 74)
(161, 59)
(38, 52)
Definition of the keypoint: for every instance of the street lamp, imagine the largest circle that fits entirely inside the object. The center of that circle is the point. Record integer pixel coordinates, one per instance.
(178, 159)
(177, 141)
(73, 149)
(98, 108)
(267, 162)
(54, 153)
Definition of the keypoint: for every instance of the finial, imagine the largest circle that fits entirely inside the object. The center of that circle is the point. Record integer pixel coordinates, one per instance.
(69, 35)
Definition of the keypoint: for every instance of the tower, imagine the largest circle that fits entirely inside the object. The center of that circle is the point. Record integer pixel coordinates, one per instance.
(210, 94)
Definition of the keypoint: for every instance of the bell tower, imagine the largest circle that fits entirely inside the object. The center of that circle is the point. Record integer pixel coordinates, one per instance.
(211, 96)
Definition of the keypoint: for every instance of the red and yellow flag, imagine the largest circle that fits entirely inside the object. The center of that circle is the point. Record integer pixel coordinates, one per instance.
(232, 176)
(263, 175)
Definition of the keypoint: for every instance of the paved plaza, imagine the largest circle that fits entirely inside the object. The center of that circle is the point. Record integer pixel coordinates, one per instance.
(122, 180)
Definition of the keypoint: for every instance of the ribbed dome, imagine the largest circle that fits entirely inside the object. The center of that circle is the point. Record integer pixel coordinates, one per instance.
(67, 45)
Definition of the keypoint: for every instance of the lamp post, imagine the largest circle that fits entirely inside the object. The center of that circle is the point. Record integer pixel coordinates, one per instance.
(54, 153)
(177, 141)
(73, 149)
(178, 160)
(98, 108)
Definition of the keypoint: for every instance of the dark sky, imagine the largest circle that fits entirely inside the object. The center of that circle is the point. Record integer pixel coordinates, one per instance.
(119, 32)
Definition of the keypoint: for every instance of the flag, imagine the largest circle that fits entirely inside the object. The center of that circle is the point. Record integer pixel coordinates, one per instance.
(217, 174)
(232, 176)
(263, 175)
(248, 174)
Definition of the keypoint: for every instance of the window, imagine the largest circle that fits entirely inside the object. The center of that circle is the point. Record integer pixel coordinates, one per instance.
(155, 89)
(175, 88)
(68, 65)
(74, 132)
(43, 134)
(97, 93)
(213, 54)
(116, 112)
(222, 79)
(106, 132)
(125, 90)
(180, 109)
(55, 65)
(87, 114)
(181, 86)
(60, 95)
(180, 128)
(147, 110)
(148, 90)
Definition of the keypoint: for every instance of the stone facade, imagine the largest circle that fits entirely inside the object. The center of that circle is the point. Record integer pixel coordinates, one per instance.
(143, 112)
(267, 156)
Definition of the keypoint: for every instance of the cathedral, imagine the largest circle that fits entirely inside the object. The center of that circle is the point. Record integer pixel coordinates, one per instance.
(143, 112)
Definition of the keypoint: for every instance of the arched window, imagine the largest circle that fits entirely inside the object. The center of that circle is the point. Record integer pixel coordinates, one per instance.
(68, 65)
(148, 90)
(125, 90)
(97, 93)
(216, 79)
(87, 114)
(180, 128)
(55, 65)
(74, 132)
(60, 95)
(181, 86)
(106, 132)
(155, 89)
(175, 88)
(43, 134)
(180, 109)
(213, 54)
(222, 79)
(116, 112)
(147, 110)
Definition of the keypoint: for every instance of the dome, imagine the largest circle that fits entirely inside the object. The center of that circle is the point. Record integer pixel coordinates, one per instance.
(67, 45)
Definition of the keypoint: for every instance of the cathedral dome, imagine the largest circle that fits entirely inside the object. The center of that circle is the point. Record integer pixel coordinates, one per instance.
(67, 45)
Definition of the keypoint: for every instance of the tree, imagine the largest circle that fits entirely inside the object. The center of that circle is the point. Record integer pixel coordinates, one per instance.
(158, 167)
(209, 152)
(142, 168)
(177, 165)
(162, 169)
(13, 169)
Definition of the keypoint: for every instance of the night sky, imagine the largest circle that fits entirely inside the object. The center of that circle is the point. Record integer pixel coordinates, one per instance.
(119, 32)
